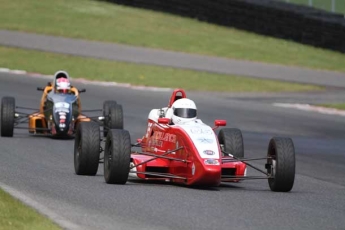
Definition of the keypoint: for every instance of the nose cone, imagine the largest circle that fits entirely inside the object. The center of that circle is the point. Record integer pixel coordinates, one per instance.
(207, 175)
(212, 175)
(62, 127)
(62, 122)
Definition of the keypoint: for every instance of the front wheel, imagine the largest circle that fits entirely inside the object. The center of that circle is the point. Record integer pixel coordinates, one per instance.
(281, 164)
(114, 120)
(87, 148)
(117, 156)
(7, 116)
(231, 141)
(106, 110)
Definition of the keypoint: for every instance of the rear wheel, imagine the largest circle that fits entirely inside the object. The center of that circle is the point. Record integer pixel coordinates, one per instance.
(117, 155)
(231, 141)
(7, 116)
(87, 148)
(281, 164)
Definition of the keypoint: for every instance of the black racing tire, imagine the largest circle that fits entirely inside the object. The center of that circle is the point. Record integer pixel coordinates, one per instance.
(281, 164)
(8, 106)
(117, 156)
(106, 110)
(232, 141)
(87, 148)
(115, 117)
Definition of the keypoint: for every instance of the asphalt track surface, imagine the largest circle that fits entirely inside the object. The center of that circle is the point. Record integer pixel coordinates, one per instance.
(141, 55)
(41, 168)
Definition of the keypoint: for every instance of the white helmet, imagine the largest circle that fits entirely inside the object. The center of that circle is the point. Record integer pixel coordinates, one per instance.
(184, 110)
(61, 82)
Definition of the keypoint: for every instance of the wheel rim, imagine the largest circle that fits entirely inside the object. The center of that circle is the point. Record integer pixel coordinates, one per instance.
(273, 167)
(273, 163)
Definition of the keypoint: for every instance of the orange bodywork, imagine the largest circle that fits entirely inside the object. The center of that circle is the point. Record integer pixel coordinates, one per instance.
(38, 120)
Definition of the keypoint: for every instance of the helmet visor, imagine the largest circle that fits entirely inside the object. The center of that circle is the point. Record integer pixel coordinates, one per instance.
(185, 112)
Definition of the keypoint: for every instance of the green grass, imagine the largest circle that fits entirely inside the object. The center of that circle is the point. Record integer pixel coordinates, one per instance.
(15, 215)
(335, 106)
(102, 21)
(104, 70)
(323, 4)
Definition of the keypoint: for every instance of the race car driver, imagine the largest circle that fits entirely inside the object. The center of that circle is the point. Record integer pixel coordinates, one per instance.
(61, 85)
(182, 111)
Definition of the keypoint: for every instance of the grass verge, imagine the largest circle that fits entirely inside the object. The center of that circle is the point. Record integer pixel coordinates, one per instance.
(147, 75)
(95, 20)
(322, 4)
(15, 215)
(334, 106)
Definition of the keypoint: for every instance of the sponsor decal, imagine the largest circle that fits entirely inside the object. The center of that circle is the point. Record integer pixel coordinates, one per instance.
(62, 120)
(165, 137)
(199, 130)
(62, 105)
(64, 110)
(157, 143)
(62, 125)
(211, 162)
(62, 114)
(205, 140)
(209, 152)
(62, 117)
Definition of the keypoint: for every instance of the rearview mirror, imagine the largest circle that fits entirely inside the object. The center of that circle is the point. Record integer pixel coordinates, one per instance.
(220, 122)
(82, 91)
(163, 120)
(40, 89)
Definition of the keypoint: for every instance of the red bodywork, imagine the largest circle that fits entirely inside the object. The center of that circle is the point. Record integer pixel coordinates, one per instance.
(172, 155)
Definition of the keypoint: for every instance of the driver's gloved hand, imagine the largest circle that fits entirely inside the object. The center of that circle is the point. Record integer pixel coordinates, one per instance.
(161, 113)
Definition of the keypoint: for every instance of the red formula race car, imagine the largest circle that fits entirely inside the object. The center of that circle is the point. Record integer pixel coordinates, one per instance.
(179, 148)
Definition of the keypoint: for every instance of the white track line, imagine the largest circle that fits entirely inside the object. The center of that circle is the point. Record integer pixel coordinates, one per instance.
(69, 225)
(87, 82)
(312, 108)
(305, 107)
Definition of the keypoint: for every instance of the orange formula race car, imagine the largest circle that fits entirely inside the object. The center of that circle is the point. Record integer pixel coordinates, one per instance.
(59, 112)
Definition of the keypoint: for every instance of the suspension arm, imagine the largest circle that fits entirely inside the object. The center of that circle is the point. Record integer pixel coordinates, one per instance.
(156, 156)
